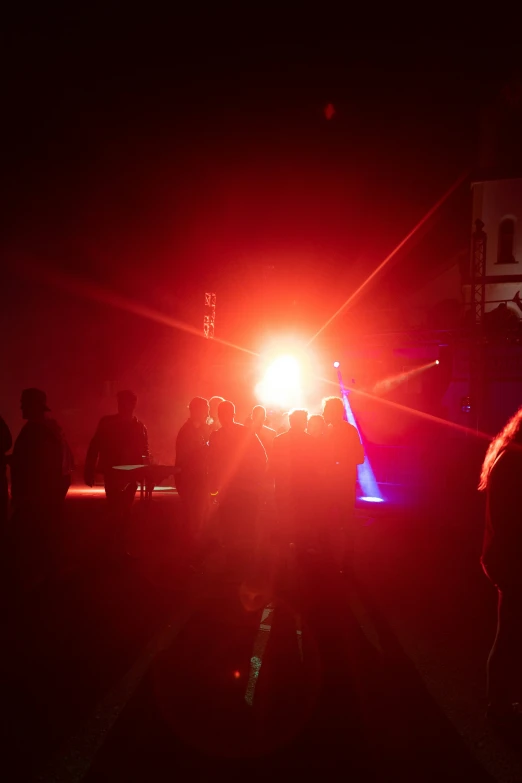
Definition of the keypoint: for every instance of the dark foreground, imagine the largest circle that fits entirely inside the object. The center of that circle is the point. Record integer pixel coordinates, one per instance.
(139, 668)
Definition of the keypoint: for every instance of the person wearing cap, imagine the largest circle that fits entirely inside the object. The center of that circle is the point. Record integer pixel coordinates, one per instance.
(120, 439)
(42, 462)
(6, 442)
(41, 466)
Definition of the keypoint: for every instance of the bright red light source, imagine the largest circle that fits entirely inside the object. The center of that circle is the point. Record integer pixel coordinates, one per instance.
(237, 675)
(329, 111)
(281, 384)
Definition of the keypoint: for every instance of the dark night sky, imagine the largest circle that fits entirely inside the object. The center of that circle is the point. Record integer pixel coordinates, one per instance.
(157, 161)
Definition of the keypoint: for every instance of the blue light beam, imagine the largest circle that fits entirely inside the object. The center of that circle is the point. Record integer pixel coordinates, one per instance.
(365, 474)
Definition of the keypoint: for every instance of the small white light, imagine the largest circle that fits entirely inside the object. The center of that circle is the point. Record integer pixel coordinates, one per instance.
(336, 365)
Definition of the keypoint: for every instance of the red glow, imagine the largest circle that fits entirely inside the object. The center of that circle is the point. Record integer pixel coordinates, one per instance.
(79, 491)
(97, 293)
(386, 385)
(388, 258)
(329, 111)
(426, 416)
(281, 384)
(237, 675)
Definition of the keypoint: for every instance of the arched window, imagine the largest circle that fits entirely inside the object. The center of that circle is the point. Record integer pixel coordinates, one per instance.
(506, 241)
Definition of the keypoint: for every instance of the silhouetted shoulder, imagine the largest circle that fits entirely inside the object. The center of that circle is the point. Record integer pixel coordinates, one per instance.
(184, 428)
(350, 429)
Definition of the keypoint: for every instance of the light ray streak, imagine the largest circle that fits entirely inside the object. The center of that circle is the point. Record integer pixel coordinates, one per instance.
(406, 409)
(394, 252)
(97, 293)
(365, 474)
(387, 384)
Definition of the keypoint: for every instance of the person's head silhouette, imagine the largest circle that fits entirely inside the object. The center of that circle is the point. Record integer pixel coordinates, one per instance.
(214, 404)
(126, 403)
(226, 413)
(333, 410)
(258, 416)
(33, 403)
(298, 419)
(199, 410)
(316, 425)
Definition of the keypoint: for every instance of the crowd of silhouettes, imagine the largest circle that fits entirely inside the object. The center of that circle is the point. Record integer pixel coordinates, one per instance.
(310, 469)
(223, 469)
(41, 466)
(226, 472)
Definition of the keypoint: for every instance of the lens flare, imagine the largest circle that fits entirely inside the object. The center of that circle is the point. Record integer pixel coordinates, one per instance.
(97, 293)
(391, 255)
(388, 384)
(281, 385)
(413, 411)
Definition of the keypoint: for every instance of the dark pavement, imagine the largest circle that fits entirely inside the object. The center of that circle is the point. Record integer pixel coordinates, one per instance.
(140, 668)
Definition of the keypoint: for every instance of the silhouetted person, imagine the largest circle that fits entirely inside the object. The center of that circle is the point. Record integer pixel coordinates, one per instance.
(237, 464)
(501, 477)
(344, 452)
(41, 467)
(121, 439)
(257, 420)
(191, 465)
(293, 467)
(41, 464)
(6, 442)
(317, 430)
(316, 426)
(213, 419)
